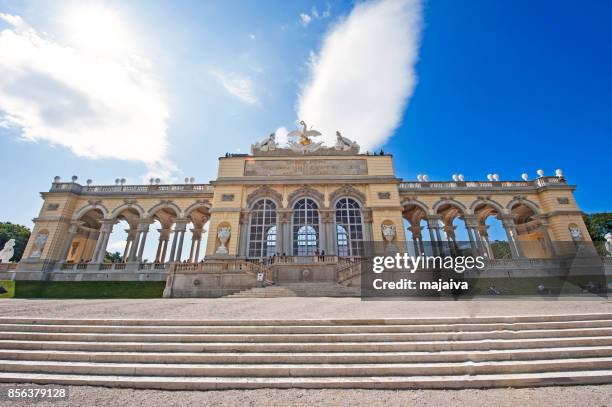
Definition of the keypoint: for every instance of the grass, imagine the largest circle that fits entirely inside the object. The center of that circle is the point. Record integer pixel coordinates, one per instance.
(89, 289)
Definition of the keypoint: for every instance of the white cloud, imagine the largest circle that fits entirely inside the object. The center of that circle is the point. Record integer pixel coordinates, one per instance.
(305, 19)
(116, 246)
(15, 21)
(281, 135)
(98, 107)
(237, 85)
(364, 74)
(252, 36)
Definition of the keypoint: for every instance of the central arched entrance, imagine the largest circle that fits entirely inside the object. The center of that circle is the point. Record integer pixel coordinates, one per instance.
(305, 227)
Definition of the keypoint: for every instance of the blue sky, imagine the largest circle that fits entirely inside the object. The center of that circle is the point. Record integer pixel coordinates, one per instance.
(468, 87)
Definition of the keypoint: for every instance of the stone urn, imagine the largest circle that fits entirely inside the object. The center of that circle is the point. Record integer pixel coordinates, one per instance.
(608, 238)
(223, 235)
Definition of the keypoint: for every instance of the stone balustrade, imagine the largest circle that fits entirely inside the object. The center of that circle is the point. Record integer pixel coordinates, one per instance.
(152, 189)
(129, 267)
(215, 267)
(472, 185)
(8, 266)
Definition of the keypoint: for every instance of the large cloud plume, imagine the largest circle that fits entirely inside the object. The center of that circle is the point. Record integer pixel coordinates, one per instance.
(364, 73)
(99, 107)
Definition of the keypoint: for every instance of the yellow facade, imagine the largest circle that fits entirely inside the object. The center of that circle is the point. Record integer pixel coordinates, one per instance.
(75, 220)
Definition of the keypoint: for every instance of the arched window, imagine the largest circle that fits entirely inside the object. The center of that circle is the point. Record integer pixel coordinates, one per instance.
(305, 227)
(343, 247)
(349, 229)
(262, 230)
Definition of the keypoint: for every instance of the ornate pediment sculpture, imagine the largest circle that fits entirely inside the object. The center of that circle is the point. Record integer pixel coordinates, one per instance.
(344, 144)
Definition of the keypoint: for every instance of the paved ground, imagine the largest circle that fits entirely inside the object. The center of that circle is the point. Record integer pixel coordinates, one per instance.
(312, 308)
(584, 396)
(295, 307)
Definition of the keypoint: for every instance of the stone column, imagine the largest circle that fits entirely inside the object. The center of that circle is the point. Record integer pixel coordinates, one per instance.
(415, 231)
(134, 247)
(143, 228)
(470, 226)
(106, 229)
(434, 234)
(484, 239)
(284, 223)
(243, 239)
(368, 234)
(179, 235)
(179, 250)
(325, 237)
(197, 252)
(510, 228)
(322, 237)
(451, 241)
(158, 252)
(72, 232)
(196, 236)
(332, 239)
(131, 234)
(164, 236)
(173, 248)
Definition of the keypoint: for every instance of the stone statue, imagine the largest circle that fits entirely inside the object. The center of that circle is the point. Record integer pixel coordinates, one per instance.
(8, 251)
(267, 144)
(304, 134)
(388, 232)
(223, 235)
(608, 237)
(39, 245)
(575, 233)
(304, 144)
(343, 143)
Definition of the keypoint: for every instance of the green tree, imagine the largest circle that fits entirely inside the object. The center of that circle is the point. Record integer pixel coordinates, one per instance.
(112, 257)
(598, 224)
(21, 234)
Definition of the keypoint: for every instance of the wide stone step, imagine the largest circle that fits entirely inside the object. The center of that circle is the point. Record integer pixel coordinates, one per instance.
(264, 292)
(306, 338)
(371, 382)
(390, 353)
(302, 370)
(313, 322)
(304, 329)
(306, 358)
(430, 346)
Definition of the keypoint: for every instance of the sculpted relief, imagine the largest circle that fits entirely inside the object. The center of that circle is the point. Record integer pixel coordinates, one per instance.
(305, 167)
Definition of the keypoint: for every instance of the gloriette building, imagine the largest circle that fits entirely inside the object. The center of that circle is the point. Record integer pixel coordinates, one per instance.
(292, 203)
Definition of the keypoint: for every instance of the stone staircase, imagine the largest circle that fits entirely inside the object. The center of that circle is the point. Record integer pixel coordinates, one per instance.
(330, 289)
(453, 353)
(327, 289)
